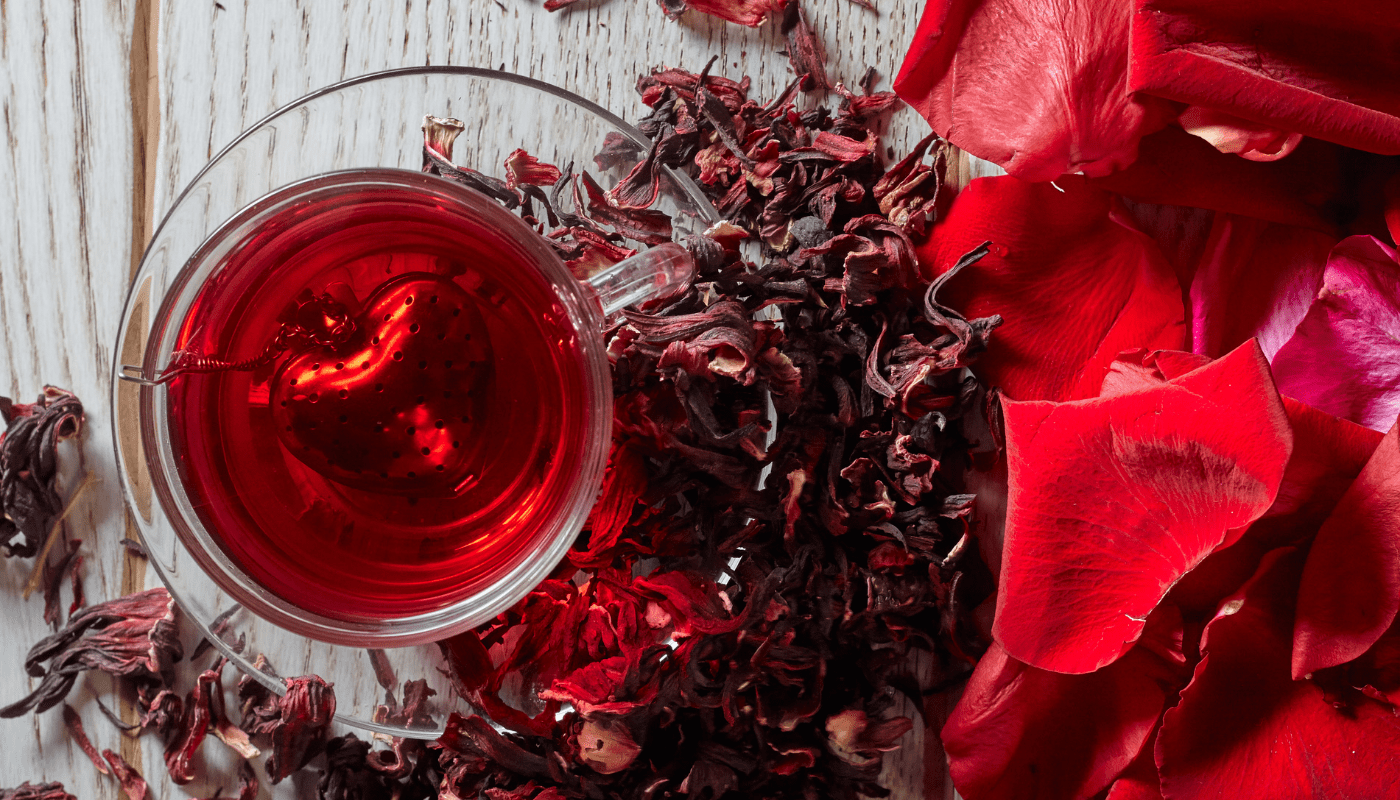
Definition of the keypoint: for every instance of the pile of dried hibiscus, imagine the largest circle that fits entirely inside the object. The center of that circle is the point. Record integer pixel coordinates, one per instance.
(781, 525)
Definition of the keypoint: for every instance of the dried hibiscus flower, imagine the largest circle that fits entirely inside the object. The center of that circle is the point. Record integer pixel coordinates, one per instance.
(29, 466)
(297, 722)
(42, 791)
(131, 636)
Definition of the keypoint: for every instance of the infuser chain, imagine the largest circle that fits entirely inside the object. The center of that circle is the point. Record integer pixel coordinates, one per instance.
(315, 321)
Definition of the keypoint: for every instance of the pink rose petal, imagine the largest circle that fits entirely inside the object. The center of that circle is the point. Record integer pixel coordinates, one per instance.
(1344, 356)
(1255, 279)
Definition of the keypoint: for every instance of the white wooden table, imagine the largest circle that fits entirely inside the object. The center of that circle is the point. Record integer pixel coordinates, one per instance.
(111, 106)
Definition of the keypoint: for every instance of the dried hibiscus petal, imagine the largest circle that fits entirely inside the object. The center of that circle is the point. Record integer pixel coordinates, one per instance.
(74, 723)
(744, 12)
(641, 186)
(247, 781)
(347, 775)
(804, 50)
(439, 135)
(605, 744)
(133, 785)
(203, 712)
(470, 750)
(524, 169)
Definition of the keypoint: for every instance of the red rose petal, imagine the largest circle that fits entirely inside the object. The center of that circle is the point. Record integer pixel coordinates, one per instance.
(1178, 169)
(1140, 780)
(1350, 591)
(1244, 729)
(1344, 356)
(1255, 279)
(1112, 500)
(1037, 86)
(1303, 66)
(1328, 454)
(1138, 370)
(1021, 732)
(1075, 284)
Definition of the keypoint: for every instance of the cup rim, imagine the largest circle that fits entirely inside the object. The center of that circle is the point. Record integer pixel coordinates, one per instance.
(541, 556)
(703, 206)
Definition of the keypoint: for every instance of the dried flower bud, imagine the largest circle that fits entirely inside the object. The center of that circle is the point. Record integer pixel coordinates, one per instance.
(42, 791)
(440, 134)
(297, 722)
(29, 499)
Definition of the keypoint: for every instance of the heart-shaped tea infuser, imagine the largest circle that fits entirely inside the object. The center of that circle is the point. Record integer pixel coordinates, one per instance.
(395, 408)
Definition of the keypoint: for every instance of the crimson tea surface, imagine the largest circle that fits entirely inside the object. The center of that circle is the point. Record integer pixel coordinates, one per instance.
(409, 423)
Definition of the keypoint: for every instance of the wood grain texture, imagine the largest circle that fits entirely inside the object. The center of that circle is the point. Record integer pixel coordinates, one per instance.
(100, 143)
(65, 259)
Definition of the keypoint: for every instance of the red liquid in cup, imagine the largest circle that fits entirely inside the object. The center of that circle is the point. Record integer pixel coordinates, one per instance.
(410, 466)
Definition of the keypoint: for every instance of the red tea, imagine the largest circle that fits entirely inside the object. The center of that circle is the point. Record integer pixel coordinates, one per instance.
(406, 454)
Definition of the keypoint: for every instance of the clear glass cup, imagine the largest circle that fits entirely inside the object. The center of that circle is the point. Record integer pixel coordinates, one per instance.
(363, 130)
(220, 267)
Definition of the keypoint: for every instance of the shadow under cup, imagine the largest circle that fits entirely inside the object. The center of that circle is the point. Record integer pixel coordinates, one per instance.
(390, 407)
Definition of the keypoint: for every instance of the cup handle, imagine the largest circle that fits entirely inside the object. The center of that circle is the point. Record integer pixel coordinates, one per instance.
(651, 274)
